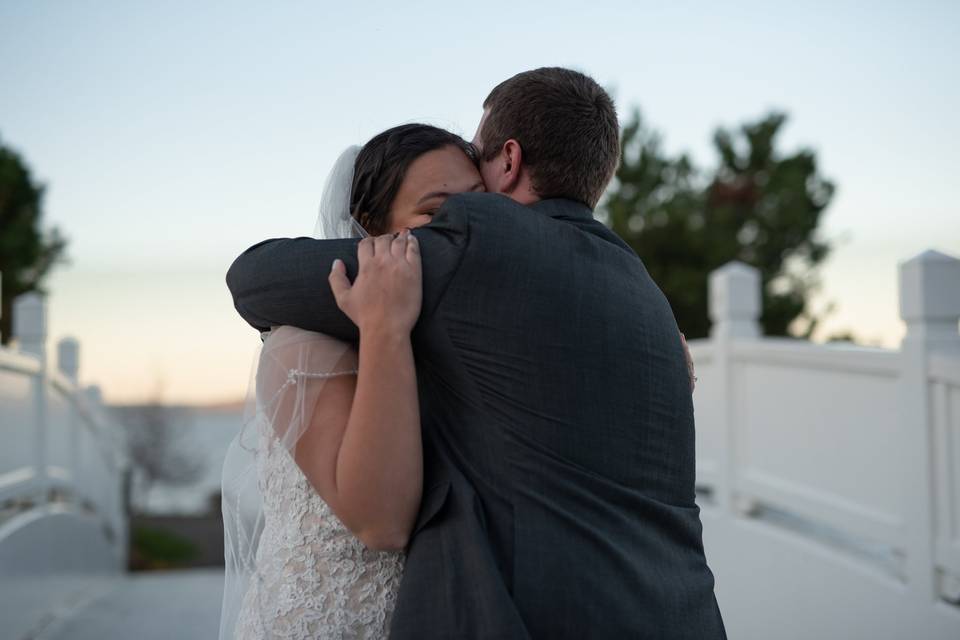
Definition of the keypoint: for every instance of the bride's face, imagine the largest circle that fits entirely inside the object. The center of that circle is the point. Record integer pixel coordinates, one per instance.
(429, 181)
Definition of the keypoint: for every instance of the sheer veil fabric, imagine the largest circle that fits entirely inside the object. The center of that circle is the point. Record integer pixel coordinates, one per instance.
(291, 369)
(334, 220)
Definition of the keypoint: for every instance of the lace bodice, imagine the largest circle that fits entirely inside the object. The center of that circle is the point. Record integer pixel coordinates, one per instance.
(314, 578)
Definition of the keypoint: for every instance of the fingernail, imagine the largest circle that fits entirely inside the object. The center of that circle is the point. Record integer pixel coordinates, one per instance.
(333, 267)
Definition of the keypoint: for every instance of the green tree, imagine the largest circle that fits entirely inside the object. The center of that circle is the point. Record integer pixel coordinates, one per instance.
(758, 206)
(27, 252)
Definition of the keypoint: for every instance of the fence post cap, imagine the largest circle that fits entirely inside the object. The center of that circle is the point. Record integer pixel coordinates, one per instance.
(30, 322)
(734, 295)
(930, 287)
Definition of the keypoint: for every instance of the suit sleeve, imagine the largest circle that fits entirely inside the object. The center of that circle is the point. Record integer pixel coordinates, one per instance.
(284, 281)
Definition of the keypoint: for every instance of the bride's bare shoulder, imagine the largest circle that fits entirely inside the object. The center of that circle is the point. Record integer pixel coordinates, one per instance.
(289, 336)
(291, 348)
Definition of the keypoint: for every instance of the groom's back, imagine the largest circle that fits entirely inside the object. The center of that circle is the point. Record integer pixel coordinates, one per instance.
(579, 350)
(559, 390)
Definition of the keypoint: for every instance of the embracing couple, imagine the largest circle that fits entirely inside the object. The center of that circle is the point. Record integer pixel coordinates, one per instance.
(472, 414)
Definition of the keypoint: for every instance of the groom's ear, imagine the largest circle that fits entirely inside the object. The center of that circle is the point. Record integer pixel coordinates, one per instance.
(511, 166)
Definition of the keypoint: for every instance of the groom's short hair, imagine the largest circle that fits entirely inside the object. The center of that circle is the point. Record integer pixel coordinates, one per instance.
(566, 125)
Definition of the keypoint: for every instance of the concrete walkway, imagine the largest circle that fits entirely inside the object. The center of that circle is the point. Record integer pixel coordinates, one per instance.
(150, 606)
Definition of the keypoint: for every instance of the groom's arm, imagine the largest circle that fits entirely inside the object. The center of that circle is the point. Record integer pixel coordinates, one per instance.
(284, 281)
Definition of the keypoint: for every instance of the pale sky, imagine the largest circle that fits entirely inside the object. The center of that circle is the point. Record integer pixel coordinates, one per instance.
(173, 135)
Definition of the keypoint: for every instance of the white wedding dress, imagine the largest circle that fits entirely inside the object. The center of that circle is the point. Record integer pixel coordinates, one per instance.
(293, 570)
(314, 578)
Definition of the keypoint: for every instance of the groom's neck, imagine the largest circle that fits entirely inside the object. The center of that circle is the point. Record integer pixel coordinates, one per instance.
(526, 200)
(524, 194)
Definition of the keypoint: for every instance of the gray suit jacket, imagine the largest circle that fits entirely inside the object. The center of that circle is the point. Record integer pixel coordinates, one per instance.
(557, 425)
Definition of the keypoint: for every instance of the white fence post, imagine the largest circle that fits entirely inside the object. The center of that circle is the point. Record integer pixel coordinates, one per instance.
(735, 301)
(30, 332)
(734, 304)
(68, 358)
(930, 306)
(30, 324)
(68, 362)
(94, 396)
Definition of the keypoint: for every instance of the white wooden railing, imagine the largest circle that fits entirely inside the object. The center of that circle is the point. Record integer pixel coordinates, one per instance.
(61, 461)
(829, 476)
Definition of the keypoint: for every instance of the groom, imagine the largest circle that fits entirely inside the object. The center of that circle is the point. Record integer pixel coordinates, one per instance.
(557, 419)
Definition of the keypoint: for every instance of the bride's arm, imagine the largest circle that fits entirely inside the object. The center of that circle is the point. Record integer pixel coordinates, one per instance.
(362, 451)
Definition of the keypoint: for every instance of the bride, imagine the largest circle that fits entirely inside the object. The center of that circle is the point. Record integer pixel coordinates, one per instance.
(323, 483)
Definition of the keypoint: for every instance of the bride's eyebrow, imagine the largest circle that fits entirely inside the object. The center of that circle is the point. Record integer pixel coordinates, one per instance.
(444, 194)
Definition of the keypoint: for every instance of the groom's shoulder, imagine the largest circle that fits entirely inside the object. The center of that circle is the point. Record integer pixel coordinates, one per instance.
(491, 212)
(479, 205)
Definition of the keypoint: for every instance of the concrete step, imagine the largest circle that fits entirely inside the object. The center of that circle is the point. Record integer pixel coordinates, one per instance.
(147, 606)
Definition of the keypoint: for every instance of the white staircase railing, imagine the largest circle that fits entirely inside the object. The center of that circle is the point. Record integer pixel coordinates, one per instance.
(59, 454)
(831, 474)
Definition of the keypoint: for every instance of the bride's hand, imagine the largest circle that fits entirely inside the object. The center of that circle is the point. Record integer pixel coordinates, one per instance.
(387, 292)
(690, 369)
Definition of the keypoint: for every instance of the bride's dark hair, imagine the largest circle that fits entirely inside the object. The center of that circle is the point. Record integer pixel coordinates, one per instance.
(382, 164)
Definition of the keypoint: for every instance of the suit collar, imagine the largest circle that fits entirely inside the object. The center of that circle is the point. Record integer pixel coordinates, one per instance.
(563, 208)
